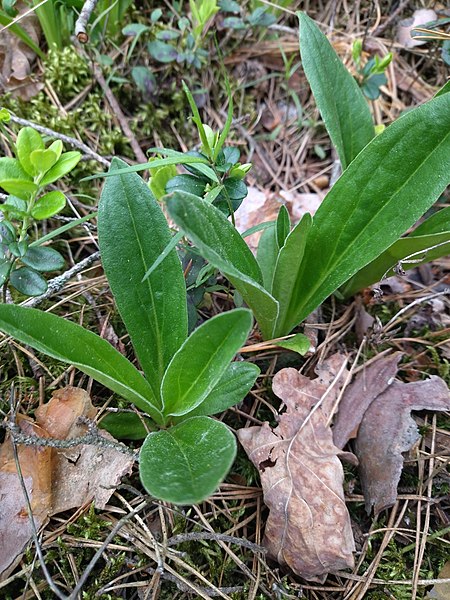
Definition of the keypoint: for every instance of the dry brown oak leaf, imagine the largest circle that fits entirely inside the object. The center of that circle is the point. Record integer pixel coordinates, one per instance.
(309, 527)
(56, 480)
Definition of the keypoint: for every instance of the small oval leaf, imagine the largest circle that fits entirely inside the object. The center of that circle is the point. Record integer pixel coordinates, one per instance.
(48, 205)
(28, 140)
(186, 463)
(28, 282)
(43, 259)
(66, 162)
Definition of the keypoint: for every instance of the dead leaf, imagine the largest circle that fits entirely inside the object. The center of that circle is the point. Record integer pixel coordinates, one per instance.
(16, 58)
(387, 430)
(308, 528)
(441, 591)
(360, 394)
(420, 17)
(56, 480)
(257, 208)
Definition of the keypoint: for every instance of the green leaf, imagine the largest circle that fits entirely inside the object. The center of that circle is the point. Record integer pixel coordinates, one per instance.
(126, 425)
(5, 266)
(70, 343)
(133, 233)
(162, 52)
(43, 259)
(48, 205)
(186, 183)
(283, 226)
(299, 343)
(234, 385)
(236, 188)
(22, 188)
(267, 254)
(201, 361)
(10, 168)
(344, 110)
(444, 89)
(43, 160)
(437, 223)
(186, 463)
(159, 178)
(397, 177)
(219, 243)
(67, 161)
(57, 148)
(287, 283)
(384, 265)
(28, 140)
(28, 282)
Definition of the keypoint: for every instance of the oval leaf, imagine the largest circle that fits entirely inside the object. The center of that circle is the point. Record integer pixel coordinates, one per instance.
(71, 343)
(43, 160)
(186, 463)
(48, 205)
(162, 52)
(66, 162)
(28, 140)
(28, 282)
(43, 259)
(234, 385)
(202, 360)
(22, 188)
(126, 425)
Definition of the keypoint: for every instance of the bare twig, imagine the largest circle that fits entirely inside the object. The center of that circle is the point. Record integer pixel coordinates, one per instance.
(140, 156)
(57, 283)
(64, 138)
(82, 21)
(206, 535)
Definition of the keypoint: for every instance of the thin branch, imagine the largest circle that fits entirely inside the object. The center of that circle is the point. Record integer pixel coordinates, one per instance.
(82, 21)
(57, 283)
(205, 535)
(64, 138)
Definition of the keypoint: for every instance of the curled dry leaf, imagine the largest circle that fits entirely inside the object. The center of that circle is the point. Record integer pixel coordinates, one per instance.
(308, 528)
(56, 480)
(376, 409)
(387, 430)
(16, 58)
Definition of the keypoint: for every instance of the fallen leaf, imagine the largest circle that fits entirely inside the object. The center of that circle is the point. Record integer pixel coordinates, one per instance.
(420, 17)
(257, 208)
(308, 528)
(360, 394)
(387, 430)
(441, 591)
(16, 58)
(56, 479)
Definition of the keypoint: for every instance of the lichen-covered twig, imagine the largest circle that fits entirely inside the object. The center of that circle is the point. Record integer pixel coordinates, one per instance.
(57, 283)
(82, 21)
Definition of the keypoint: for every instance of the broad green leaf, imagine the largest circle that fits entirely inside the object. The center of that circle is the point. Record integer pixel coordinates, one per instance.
(267, 254)
(283, 226)
(186, 463)
(202, 360)
(70, 343)
(43, 259)
(127, 425)
(28, 140)
(286, 286)
(22, 188)
(10, 168)
(219, 243)
(43, 160)
(159, 178)
(66, 162)
(162, 52)
(437, 223)
(133, 233)
(385, 190)
(48, 205)
(28, 282)
(344, 110)
(444, 89)
(299, 343)
(383, 265)
(234, 385)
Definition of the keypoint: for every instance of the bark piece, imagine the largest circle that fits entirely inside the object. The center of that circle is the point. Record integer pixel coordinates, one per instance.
(308, 528)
